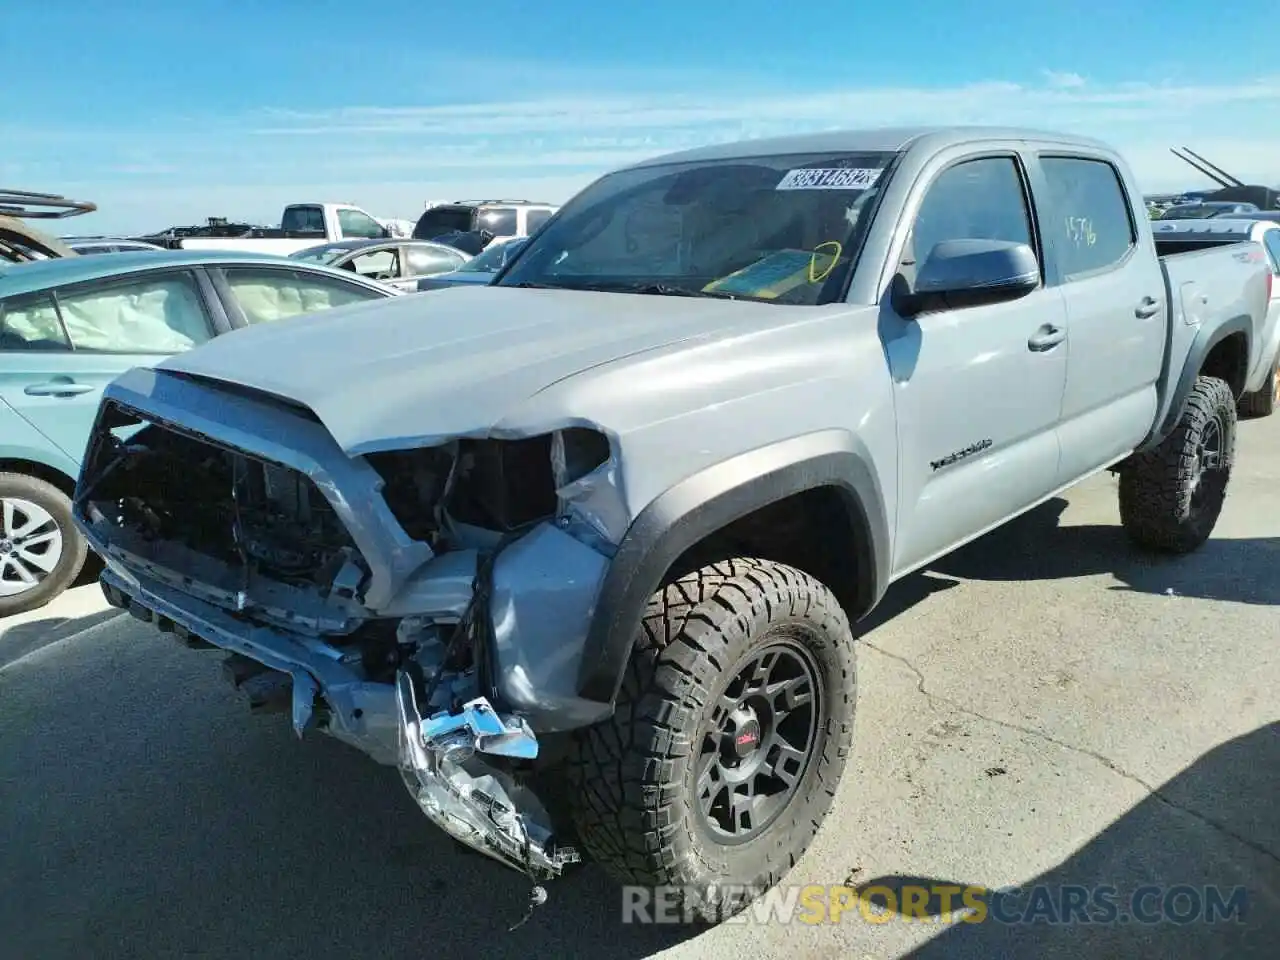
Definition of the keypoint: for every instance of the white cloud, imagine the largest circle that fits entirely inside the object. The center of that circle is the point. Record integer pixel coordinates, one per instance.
(1063, 80)
(391, 158)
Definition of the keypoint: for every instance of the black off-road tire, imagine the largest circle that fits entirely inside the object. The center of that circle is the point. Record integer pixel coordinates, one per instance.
(1166, 502)
(74, 548)
(1262, 402)
(633, 778)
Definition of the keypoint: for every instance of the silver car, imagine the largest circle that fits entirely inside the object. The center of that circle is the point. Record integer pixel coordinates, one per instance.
(398, 263)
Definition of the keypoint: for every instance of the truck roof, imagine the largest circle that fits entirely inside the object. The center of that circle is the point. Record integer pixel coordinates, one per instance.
(869, 140)
(322, 203)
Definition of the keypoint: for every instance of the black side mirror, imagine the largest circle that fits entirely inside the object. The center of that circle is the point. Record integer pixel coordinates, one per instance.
(967, 273)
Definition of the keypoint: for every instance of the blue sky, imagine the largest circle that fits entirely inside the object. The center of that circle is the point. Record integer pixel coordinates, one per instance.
(168, 112)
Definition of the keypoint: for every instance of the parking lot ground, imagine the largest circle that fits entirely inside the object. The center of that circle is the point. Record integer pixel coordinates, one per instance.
(1046, 706)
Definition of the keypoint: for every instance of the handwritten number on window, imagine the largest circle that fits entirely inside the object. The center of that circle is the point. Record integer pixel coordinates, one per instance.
(1080, 231)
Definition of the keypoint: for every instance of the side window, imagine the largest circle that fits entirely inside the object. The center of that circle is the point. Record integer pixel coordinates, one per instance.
(426, 260)
(500, 221)
(1087, 214)
(31, 323)
(536, 218)
(376, 264)
(158, 314)
(1271, 240)
(265, 295)
(355, 224)
(974, 200)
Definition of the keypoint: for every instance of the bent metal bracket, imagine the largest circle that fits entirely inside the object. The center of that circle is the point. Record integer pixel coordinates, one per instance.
(20, 242)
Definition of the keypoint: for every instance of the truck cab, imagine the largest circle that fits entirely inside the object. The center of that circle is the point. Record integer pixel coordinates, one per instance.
(331, 221)
(301, 225)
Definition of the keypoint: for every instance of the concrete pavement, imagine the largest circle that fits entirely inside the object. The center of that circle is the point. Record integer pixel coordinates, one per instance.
(1045, 705)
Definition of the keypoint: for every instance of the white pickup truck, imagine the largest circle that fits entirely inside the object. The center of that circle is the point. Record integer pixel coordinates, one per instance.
(301, 225)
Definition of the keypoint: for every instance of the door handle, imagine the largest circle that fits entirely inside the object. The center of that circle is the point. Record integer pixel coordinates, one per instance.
(55, 389)
(1046, 338)
(1147, 307)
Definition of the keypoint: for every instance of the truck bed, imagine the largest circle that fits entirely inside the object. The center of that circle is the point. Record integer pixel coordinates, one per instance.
(1220, 282)
(283, 245)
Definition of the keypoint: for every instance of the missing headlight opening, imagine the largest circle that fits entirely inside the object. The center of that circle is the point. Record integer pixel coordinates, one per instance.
(491, 484)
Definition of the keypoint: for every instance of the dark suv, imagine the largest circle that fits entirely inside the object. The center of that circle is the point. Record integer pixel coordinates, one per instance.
(499, 218)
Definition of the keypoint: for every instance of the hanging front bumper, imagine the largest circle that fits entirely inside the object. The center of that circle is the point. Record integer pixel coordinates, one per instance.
(443, 766)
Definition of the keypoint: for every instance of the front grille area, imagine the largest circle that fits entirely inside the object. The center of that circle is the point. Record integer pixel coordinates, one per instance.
(162, 486)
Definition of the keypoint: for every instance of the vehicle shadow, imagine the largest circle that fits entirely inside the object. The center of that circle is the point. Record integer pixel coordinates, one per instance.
(24, 639)
(1036, 547)
(162, 820)
(1212, 830)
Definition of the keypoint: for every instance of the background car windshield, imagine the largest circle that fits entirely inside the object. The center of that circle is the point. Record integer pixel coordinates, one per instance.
(493, 258)
(784, 229)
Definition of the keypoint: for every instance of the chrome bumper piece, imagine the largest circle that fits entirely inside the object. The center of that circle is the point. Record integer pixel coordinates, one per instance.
(470, 800)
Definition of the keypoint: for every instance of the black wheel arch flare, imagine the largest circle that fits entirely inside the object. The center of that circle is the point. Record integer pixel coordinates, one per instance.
(706, 502)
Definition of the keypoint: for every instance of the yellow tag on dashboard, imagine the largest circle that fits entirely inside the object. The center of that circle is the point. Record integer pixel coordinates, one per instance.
(779, 273)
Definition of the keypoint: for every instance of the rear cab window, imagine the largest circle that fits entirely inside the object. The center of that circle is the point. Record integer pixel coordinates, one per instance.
(1087, 215)
(303, 218)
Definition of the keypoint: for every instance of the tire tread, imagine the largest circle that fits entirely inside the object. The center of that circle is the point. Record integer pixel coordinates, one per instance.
(626, 774)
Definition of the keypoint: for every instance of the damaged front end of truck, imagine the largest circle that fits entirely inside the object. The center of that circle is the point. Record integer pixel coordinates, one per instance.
(429, 606)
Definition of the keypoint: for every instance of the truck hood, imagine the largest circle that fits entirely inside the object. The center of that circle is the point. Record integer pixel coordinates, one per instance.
(424, 368)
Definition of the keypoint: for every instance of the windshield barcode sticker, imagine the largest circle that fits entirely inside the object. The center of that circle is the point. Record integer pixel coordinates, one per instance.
(829, 178)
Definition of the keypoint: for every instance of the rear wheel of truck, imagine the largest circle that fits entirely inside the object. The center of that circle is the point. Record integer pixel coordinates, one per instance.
(41, 551)
(1262, 402)
(1170, 497)
(731, 733)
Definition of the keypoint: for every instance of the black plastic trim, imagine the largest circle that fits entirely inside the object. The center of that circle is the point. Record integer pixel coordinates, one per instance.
(706, 502)
(1201, 347)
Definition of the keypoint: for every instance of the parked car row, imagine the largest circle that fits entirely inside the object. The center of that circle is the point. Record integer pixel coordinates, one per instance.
(1204, 209)
(68, 326)
(304, 225)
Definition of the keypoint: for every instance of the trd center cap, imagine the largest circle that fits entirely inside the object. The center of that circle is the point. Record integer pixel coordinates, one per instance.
(746, 735)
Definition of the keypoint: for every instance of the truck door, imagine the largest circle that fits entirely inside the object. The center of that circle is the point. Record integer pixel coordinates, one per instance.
(978, 389)
(1117, 322)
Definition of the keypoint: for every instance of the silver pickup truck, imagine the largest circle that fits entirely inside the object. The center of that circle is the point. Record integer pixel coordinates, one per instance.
(581, 551)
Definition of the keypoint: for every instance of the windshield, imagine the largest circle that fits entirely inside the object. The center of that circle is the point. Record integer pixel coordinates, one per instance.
(322, 254)
(784, 229)
(493, 258)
